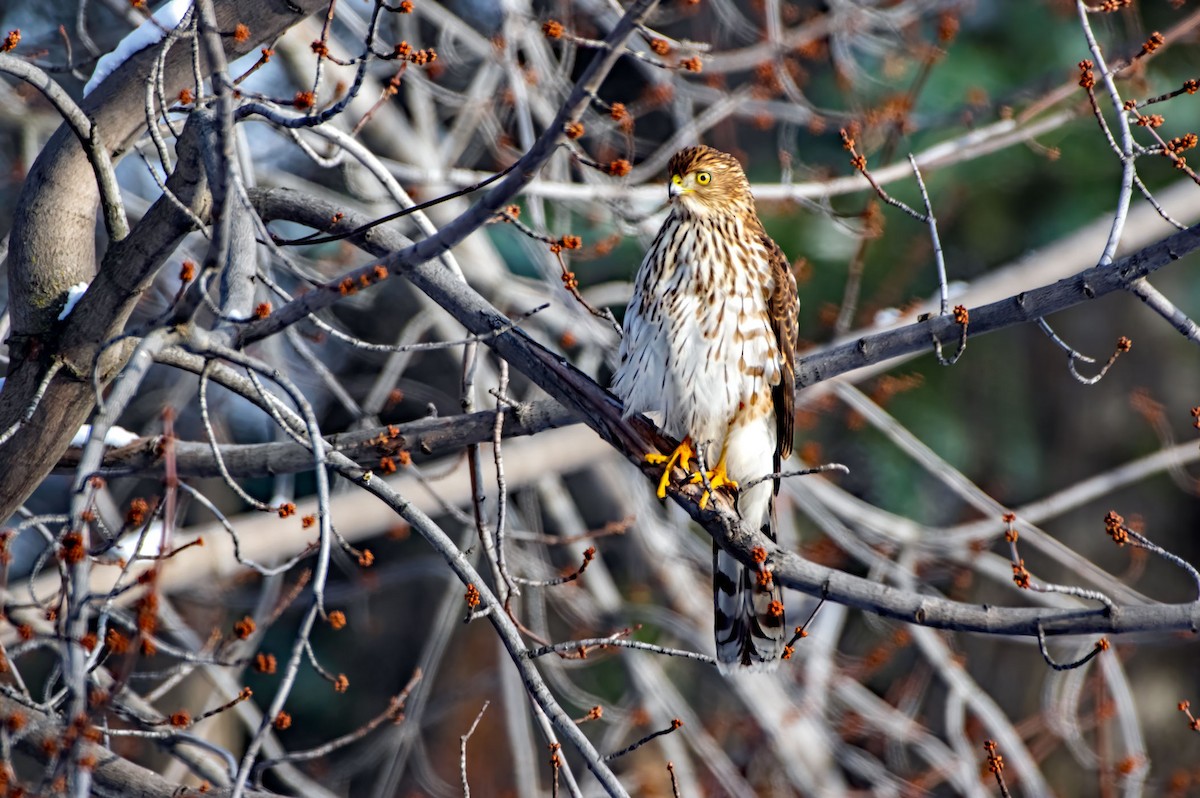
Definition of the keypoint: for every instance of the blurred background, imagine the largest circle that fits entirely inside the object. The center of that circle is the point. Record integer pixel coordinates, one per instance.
(1024, 187)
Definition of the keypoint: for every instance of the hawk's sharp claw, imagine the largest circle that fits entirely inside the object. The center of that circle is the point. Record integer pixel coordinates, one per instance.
(717, 478)
(682, 456)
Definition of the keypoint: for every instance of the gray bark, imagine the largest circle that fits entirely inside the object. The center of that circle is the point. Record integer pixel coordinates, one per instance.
(53, 247)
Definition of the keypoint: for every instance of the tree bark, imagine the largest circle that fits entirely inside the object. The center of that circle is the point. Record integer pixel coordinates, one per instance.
(53, 247)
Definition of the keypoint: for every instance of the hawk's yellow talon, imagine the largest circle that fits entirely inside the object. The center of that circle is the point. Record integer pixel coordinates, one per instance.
(682, 456)
(717, 478)
(662, 483)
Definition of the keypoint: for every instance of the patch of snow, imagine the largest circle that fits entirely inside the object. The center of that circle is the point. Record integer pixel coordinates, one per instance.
(144, 35)
(74, 294)
(127, 548)
(117, 436)
(887, 316)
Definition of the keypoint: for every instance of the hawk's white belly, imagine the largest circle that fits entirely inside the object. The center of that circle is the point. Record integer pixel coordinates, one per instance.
(699, 355)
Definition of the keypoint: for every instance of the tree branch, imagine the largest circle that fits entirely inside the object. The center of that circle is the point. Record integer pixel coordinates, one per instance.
(427, 436)
(1025, 307)
(45, 258)
(85, 131)
(635, 437)
(113, 776)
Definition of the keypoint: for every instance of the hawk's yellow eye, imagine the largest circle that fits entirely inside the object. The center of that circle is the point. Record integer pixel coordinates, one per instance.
(703, 178)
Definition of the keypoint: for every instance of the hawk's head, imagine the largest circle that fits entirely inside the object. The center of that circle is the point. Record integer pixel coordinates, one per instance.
(705, 181)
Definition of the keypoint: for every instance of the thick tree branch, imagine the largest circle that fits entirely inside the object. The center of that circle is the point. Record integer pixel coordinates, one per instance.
(1023, 308)
(46, 257)
(428, 436)
(635, 437)
(85, 131)
(835, 360)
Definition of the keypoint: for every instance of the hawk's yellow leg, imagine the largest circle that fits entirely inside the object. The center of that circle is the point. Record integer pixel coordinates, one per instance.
(682, 455)
(717, 478)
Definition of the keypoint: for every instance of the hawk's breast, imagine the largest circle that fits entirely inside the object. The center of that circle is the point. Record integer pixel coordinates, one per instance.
(699, 353)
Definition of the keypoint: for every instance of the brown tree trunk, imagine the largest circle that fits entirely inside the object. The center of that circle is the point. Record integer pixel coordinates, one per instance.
(53, 247)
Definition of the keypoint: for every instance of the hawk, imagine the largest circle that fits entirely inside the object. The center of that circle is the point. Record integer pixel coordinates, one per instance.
(709, 353)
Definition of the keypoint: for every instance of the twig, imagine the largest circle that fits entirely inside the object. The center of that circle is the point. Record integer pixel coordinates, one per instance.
(36, 400)
(394, 713)
(1024, 580)
(938, 257)
(801, 631)
(996, 766)
(308, 423)
(462, 749)
(1121, 534)
(1123, 345)
(315, 238)
(215, 448)
(246, 765)
(804, 472)
(1101, 645)
(501, 487)
(1157, 302)
(859, 162)
(618, 527)
(675, 724)
(962, 319)
(582, 647)
(588, 554)
(1126, 150)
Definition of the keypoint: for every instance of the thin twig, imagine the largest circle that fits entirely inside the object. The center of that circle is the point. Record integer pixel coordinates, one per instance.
(938, 257)
(511, 587)
(675, 724)
(581, 647)
(394, 713)
(804, 472)
(1101, 645)
(462, 749)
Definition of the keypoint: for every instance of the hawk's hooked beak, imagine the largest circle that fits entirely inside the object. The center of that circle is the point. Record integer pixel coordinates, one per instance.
(675, 187)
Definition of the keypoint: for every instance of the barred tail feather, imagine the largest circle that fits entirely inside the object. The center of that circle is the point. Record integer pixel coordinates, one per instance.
(748, 618)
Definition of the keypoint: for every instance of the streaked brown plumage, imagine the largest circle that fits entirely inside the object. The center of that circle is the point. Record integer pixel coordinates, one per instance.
(709, 354)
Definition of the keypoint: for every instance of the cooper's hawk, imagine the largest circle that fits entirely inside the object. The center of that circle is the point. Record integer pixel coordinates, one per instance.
(709, 354)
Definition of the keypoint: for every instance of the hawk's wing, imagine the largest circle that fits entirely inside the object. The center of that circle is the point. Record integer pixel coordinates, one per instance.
(783, 306)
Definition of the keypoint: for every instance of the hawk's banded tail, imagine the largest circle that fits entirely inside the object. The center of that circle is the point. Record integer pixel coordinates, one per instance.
(748, 611)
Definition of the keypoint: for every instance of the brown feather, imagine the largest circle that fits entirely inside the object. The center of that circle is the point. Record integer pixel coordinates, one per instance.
(785, 308)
